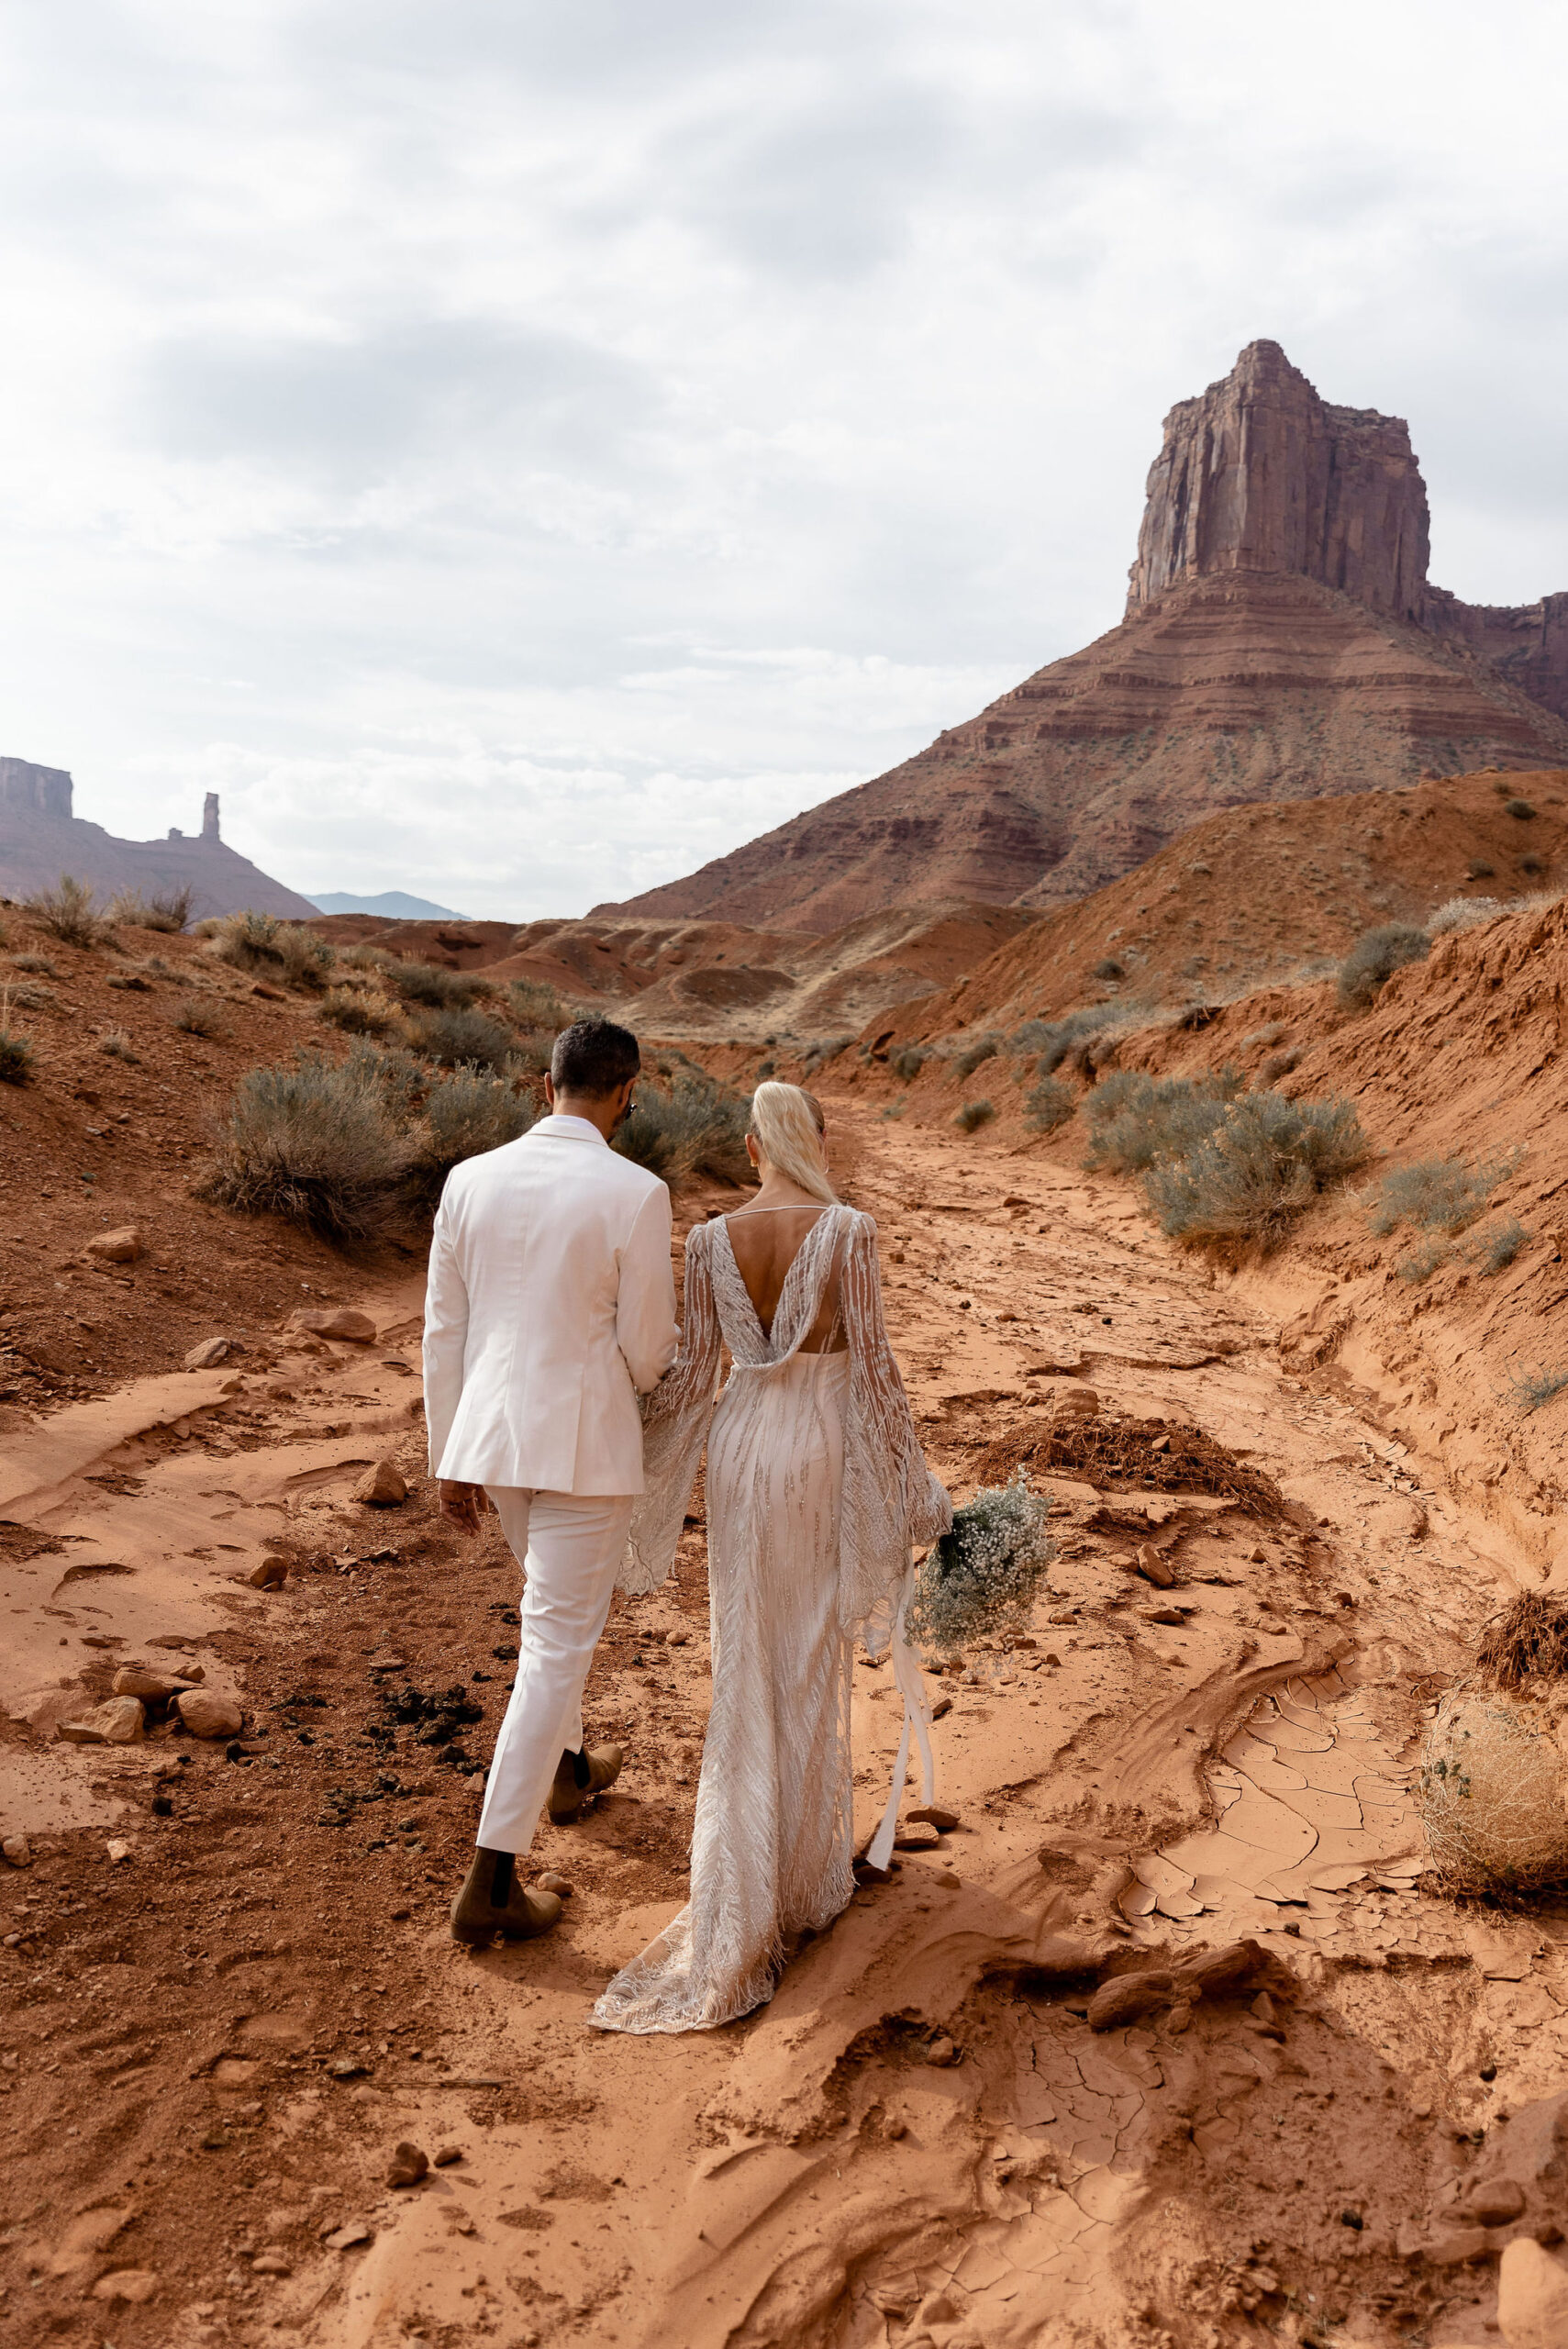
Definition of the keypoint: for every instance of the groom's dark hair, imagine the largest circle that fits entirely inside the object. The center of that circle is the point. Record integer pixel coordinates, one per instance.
(593, 1057)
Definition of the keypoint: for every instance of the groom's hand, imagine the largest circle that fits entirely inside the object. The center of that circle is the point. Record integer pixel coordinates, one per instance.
(464, 1504)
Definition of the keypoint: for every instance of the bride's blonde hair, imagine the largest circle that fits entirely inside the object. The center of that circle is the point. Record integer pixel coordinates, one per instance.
(787, 1126)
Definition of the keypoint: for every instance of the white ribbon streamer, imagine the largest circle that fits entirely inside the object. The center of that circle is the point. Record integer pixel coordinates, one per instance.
(917, 1719)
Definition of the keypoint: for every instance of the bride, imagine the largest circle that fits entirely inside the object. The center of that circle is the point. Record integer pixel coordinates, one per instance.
(817, 1490)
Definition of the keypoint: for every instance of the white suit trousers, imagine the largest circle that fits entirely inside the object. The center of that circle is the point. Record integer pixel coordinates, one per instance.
(570, 1546)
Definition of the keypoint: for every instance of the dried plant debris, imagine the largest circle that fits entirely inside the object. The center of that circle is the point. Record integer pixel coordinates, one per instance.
(1147, 1455)
(1528, 1640)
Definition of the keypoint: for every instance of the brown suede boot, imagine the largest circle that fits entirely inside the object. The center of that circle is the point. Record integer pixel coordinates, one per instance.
(493, 1902)
(578, 1775)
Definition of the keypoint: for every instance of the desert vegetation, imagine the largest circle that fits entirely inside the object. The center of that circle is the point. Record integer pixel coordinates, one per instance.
(168, 910)
(688, 1125)
(16, 1055)
(1219, 1165)
(1443, 1194)
(1049, 1104)
(282, 951)
(70, 912)
(971, 1115)
(1373, 958)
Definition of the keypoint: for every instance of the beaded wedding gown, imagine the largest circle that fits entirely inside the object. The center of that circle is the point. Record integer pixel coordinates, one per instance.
(817, 1490)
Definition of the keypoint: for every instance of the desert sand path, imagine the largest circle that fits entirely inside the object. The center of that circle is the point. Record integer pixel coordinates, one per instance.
(920, 2141)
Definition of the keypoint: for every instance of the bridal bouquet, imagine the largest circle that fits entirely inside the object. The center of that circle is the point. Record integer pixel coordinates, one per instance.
(981, 1579)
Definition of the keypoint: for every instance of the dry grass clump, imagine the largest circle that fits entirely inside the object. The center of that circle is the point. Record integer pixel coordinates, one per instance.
(1258, 1169)
(1373, 958)
(1496, 1249)
(17, 1057)
(1437, 1194)
(193, 1018)
(116, 1044)
(465, 1115)
(70, 911)
(909, 1061)
(1463, 913)
(1531, 1388)
(974, 1115)
(695, 1127)
(40, 964)
(271, 949)
(1492, 1792)
(167, 909)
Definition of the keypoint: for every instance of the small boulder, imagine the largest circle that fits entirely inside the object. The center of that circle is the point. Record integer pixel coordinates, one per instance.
(135, 2285)
(1493, 2201)
(408, 2166)
(1153, 1568)
(944, 1822)
(340, 1321)
(1071, 1398)
(153, 1687)
(274, 2261)
(122, 1247)
(447, 2156)
(562, 1888)
(919, 1836)
(345, 2237)
(118, 1851)
(209, 1354)
(16, 1852)
(206, 1714)
(1128, 1996)
(121, 1722)
(942, 2052)
(382, 1487)
(270, 1574)
(1532, 2296)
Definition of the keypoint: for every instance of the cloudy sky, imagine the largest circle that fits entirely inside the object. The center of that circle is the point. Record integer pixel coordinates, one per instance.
(515, 450)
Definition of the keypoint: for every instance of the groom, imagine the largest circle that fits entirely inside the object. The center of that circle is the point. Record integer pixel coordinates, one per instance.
(550, 1302)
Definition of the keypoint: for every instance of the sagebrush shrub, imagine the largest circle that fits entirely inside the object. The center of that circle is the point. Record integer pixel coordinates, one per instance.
(1533, 1388)
(271, 949)
(909, 1061)
(696, 1127)
(1134, 1119)
(193, 1018)
(1418, 1268)
(466, 1114)
(39, 963)
(1436, 1194)
(1049, 1105)
(1498, 1248)
(974, 1115)
(985, 1048)
(1463, 913)
(1108, 968)
(457, 1038)
(1257, 1168)
(359, 1012)
(1520, 810)
(1479, 870)
(314, 1143)
(17, 1057)
(69, 912)
(533, 1003)
(116, 1043)
(429, 983)
(167, 909)
(1373, 958)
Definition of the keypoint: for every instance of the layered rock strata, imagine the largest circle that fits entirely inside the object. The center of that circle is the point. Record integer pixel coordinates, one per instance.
(1280, 642)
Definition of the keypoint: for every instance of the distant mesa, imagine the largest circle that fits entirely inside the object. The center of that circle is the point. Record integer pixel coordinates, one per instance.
(40, 838)
(393, 905)
(1282, 640)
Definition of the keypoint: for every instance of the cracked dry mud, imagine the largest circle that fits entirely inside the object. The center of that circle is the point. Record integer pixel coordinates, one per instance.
(212, 2049)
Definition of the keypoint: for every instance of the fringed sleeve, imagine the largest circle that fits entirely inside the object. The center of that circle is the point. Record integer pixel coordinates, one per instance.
(676, 1420)
(890, 1500)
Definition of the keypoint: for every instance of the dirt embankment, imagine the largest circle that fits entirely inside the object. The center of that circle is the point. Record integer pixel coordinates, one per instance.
(1250, 895)
(713, 981)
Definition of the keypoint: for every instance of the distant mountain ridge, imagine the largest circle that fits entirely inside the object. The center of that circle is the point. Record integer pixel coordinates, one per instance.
(394, 905)
(1280, 642)
(40, 838)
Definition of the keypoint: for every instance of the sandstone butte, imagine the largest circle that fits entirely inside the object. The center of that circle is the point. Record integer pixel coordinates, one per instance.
(41, 836)
(1280, 642)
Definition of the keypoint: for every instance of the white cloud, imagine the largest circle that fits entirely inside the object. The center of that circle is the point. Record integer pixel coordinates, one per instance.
(516, 452)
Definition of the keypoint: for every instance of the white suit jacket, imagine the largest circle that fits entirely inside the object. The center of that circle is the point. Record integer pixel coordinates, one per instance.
(550, 1302)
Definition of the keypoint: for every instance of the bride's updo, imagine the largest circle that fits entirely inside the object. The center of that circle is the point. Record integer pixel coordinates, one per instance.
(787, 1126)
